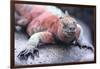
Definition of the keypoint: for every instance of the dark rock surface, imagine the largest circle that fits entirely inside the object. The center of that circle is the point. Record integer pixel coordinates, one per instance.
(52, 53)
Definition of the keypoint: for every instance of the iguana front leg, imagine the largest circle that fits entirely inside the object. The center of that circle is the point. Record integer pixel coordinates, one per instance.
(33, 43)
(84, 44)
(82, 41)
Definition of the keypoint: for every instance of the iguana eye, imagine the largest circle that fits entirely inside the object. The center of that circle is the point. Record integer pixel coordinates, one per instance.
(73, 22)
(64, 26)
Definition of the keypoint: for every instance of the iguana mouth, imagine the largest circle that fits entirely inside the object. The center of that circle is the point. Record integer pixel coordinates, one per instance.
(71, 33)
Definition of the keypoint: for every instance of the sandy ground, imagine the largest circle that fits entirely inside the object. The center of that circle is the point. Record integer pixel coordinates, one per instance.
(52, 54)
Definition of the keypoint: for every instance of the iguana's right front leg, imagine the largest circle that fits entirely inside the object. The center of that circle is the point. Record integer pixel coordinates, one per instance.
(31, 48)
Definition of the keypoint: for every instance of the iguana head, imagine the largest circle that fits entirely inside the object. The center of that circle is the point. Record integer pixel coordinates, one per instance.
(69, 25)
